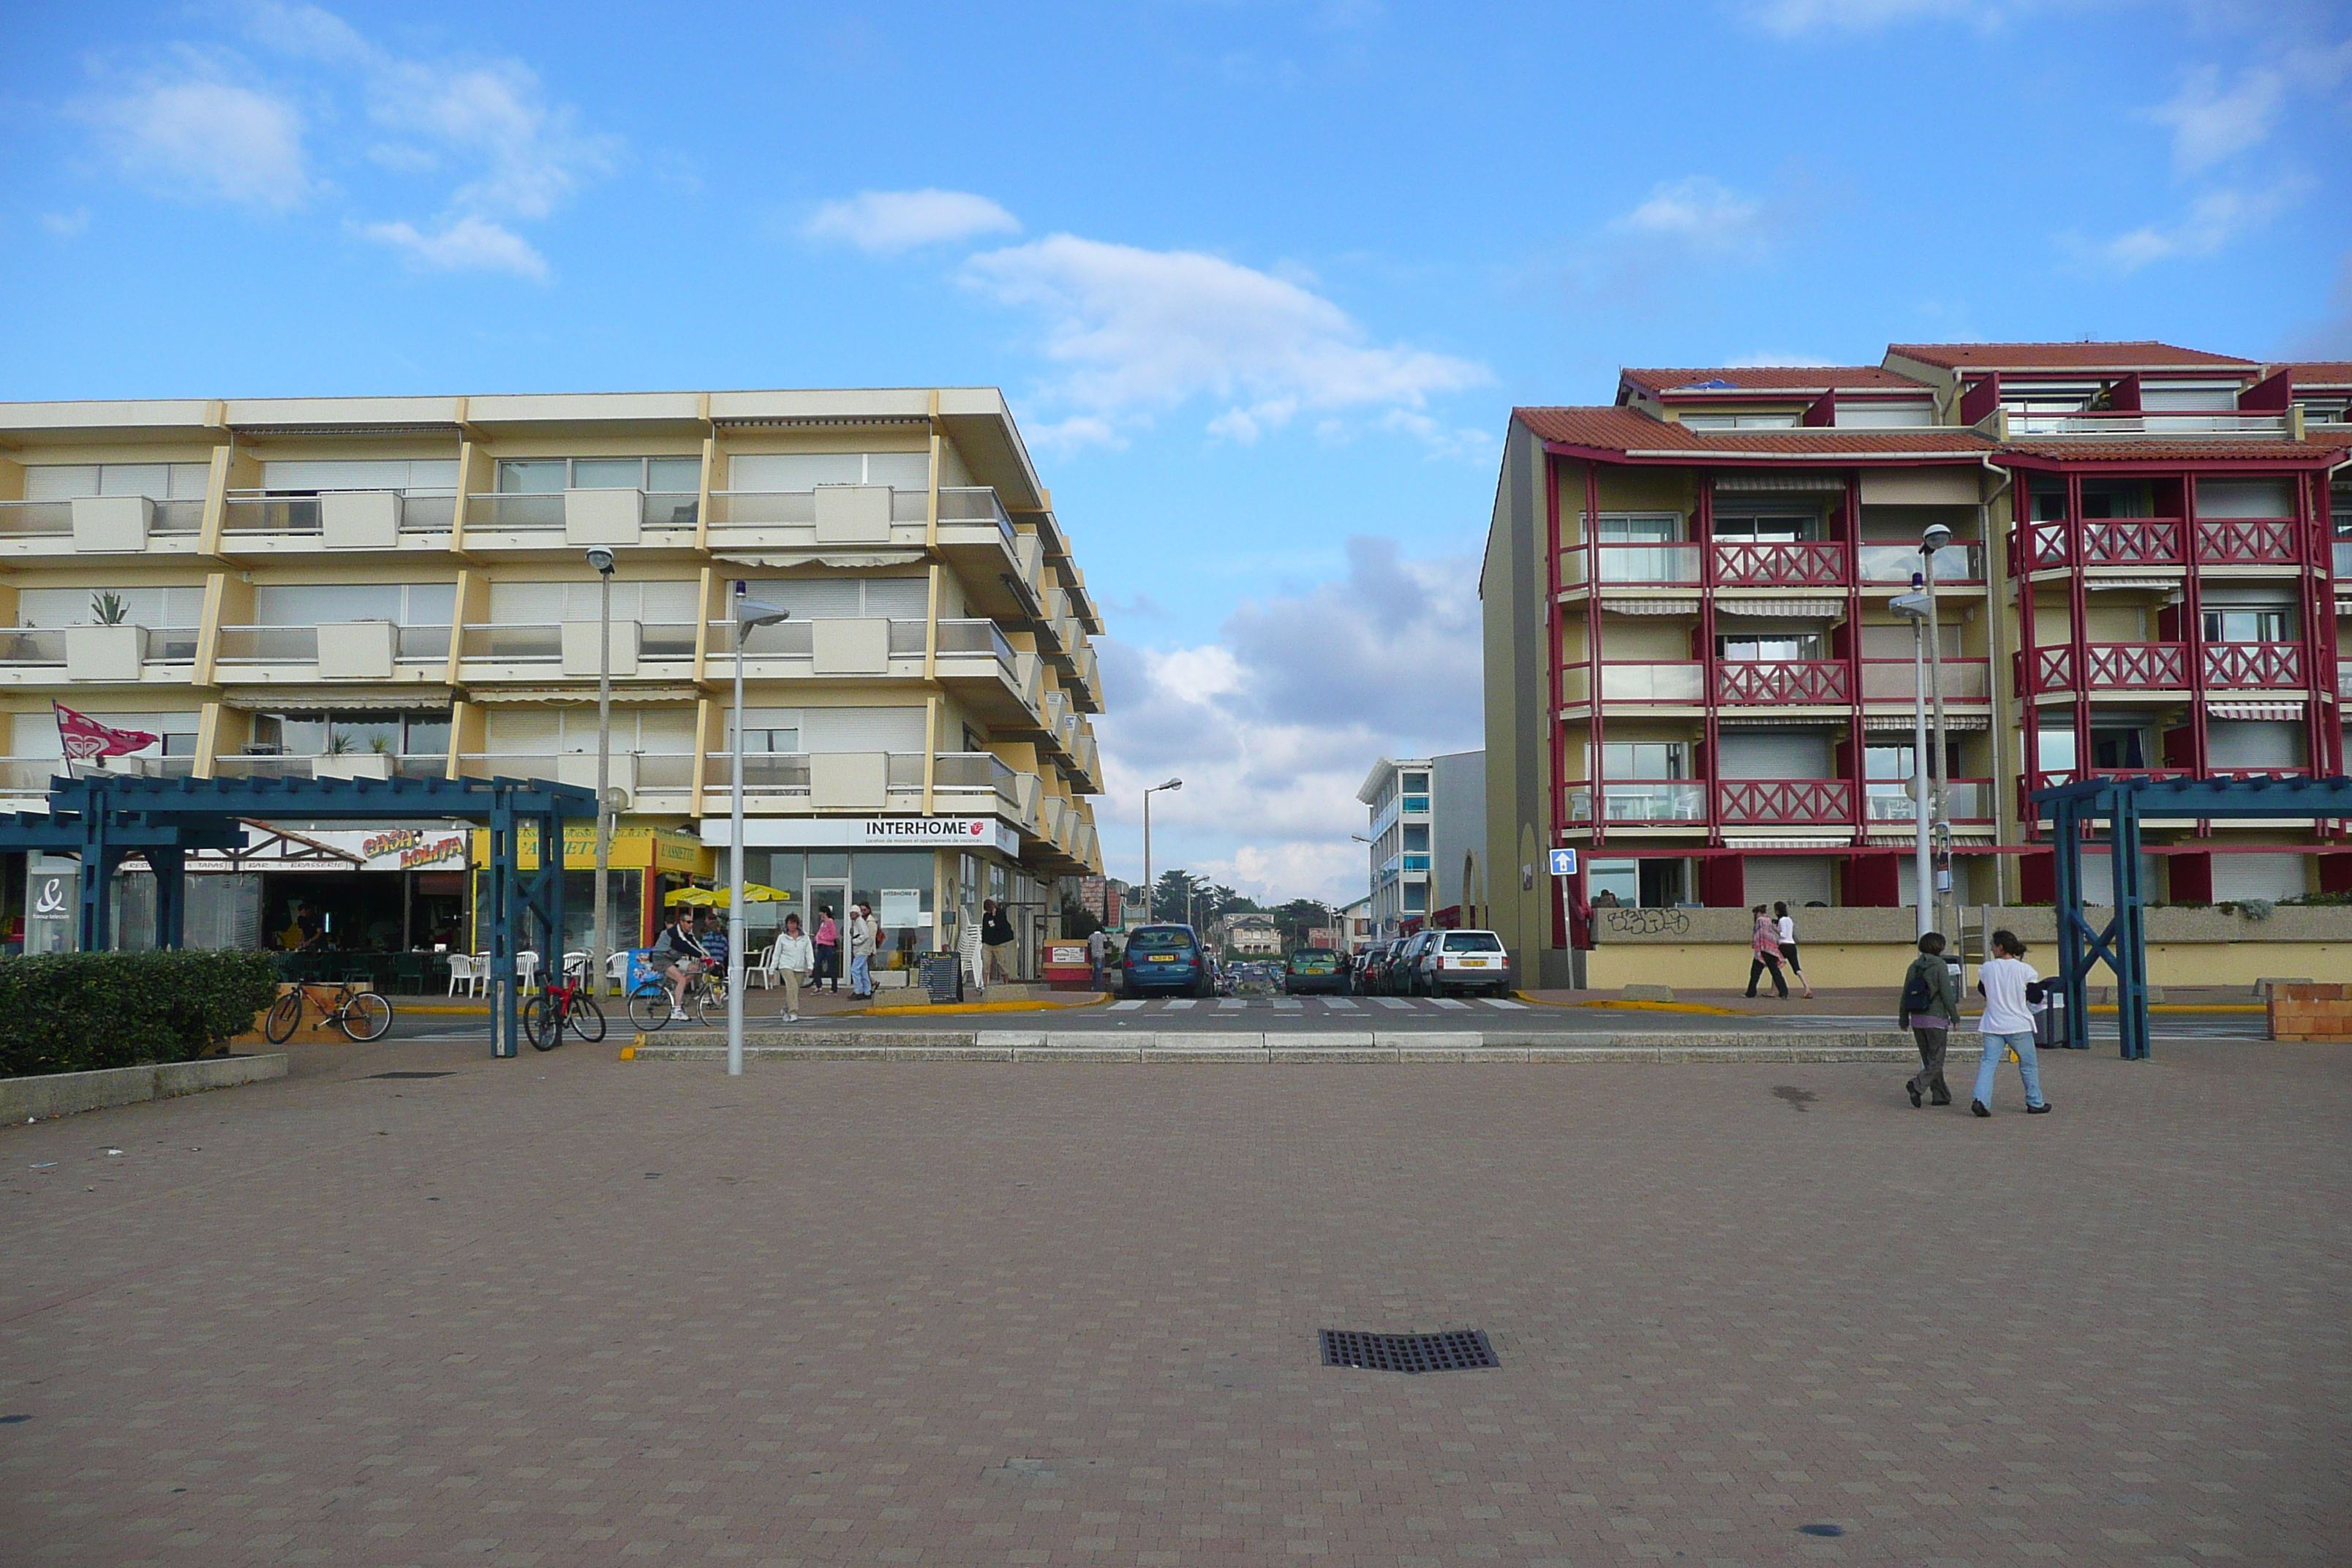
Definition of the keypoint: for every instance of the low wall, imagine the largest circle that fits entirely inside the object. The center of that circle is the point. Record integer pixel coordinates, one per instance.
(65, 1093)
(1859, 949)
(2317, 1014)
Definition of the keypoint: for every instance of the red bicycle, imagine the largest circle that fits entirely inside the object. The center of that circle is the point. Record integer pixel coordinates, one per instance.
(560, 1006)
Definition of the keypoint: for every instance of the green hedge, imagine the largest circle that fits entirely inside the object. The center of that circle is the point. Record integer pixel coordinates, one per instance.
(76, 1012)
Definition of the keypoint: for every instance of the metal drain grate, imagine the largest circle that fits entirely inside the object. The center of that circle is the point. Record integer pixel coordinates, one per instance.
(1455, 1352)
(411, 1075)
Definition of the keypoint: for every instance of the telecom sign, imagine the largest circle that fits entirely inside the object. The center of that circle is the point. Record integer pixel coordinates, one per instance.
(1563, 862)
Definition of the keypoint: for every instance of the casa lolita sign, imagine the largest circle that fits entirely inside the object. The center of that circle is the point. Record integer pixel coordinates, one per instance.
(408, 848)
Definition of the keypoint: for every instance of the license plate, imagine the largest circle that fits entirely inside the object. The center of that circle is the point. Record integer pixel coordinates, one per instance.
(1471, 963)
(1163, 958)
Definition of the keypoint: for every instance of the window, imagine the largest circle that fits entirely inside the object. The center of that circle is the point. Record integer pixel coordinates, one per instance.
(2049, 502)
(2057, 749)
(2119, 749)
(1650, 528)
(1416, 783)
(1767, 527)
(772, 471)
(552, 476)
(1473, 941)
(1884, 415)
(2245, 498)
(1645, 760)
(1417, 838)
(1416, 897)
(157, 481)
(1740, 421)
(335, 603)
(1884, 762)
(769, 730)
(1770, 646)
(316, 734)
(2248, 625)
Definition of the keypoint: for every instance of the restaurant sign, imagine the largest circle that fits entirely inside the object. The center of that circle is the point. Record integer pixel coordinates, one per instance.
(413, 849)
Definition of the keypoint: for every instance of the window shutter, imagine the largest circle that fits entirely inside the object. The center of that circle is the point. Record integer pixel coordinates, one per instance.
(862, 729)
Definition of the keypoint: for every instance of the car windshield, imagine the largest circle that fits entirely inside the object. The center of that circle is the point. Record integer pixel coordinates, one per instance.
(1313, 959)
(1161, 939)
(1473, 941)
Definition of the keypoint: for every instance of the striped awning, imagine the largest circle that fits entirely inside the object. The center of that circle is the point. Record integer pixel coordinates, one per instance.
(1792, 841)
(2255, 710)
(1778, 483)
(1904, 721)
(1651, 605)
(1780, 609)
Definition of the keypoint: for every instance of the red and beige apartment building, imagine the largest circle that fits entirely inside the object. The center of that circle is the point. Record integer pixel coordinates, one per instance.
(1695, 680)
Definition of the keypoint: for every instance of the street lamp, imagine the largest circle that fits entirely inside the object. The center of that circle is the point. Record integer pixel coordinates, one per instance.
(1170, 785)
(600, 940)
(1917, 608)
(749, 613)
(1934, 537)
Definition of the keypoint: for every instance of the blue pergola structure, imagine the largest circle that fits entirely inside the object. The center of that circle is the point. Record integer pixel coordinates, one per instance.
(2123, 802)
(104, 816)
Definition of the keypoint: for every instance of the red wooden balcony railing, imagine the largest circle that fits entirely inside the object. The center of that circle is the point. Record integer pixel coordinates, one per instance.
(2045, 544)
(2242, 665)
(2132, 541)
(1796, 681)
(2113, 667)
(2257, 772)
(2246, 541)
(1779, 563)
(1785, 800)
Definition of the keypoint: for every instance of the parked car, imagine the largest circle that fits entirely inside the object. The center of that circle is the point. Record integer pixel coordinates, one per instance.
(1314, 968)
(1365, 981)
(1463, 960)
(1404, 966)
(1166, 960)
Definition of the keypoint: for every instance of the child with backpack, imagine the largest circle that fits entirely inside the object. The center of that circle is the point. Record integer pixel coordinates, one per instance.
(1930, 1009)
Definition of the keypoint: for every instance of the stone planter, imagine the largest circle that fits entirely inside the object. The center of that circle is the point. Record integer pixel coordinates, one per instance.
(105, 653)
(354, 766)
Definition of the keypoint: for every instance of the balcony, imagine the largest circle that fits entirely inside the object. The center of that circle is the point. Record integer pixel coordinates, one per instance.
(823, 781)
(42, 655)
(1779, 563)
(1005, 685)
(1803, 801)
(1966, 800)
(1892, 680)
(2247, 666)
(255, 523)
(2248, 542)
(574, 649)
(1670, 565)
(1680, 682)
(2112, 667)
(964, 508)
(1796, 682)
(98, 525)
(2129, 422)
(822, 517)
(1894, 563)
(636, 772)
(565, 518)
(340, 765)
(1642, 800)
(357, 650)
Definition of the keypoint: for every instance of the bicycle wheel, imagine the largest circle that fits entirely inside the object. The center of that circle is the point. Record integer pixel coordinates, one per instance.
(542, 1022)
(587, 1019)
(649, 1007)
(365, 1017)
(284, 1013)
(706, 1000)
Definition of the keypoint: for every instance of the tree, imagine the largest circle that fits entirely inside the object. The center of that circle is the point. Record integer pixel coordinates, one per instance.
(1296, 918)
(1078, 921)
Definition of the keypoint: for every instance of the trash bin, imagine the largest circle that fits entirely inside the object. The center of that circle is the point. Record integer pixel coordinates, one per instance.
(2050, 1019)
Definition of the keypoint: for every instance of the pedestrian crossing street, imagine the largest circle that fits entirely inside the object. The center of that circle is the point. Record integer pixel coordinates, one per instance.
(1374, 1005)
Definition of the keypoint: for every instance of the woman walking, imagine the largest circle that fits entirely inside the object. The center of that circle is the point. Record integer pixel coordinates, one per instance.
(2008, 983)
(828, 950)
(1766, 945)
(795, 959)
(1930, 1010)
(1789, 946)
(864, 938)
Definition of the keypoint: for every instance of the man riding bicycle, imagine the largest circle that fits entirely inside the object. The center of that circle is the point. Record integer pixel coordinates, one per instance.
(684, 958)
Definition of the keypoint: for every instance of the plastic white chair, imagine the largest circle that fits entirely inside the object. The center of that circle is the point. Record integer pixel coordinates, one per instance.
(481, 987)
(575, 964)
(526, 969)
(461, 972)
(762, 971)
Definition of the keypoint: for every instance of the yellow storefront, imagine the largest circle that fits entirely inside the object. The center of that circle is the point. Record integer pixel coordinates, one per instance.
(647, 865)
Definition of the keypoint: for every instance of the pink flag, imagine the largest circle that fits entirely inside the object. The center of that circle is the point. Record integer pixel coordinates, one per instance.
(86, 740)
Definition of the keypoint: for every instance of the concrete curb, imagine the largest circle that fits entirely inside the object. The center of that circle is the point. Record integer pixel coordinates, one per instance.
(67, 1093)
(1335, 1047)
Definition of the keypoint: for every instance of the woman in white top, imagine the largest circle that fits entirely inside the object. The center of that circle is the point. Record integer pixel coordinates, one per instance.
(2007, 1023)
(795, 956)
(1789, 946)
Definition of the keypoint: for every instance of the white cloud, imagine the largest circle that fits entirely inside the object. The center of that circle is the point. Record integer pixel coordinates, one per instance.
(66, 225)
(1135, 332)
(2212, 223)
(464, 245)
(1698, 214)
(187, 131)
(2209, 124)
(887, 222)
(1274, 725)
(1791, 17)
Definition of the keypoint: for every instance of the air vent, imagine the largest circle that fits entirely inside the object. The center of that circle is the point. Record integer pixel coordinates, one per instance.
(1459, 1351)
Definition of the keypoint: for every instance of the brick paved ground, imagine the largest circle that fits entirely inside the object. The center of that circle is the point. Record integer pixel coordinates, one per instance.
(571, 1311)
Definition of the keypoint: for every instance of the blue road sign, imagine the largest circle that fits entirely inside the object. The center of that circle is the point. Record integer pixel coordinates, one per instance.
(1563, 862)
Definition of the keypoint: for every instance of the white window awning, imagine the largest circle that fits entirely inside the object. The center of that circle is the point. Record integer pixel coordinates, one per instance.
(1903, 721)
(2255, 710)
(1659, 605)
(1780, 609)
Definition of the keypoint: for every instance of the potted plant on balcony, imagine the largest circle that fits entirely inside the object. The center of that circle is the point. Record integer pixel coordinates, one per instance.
(343, 760)
(109, 647)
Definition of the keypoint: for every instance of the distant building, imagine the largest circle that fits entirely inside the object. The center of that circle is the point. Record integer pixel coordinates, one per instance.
(1428, 833)
(1251, 935)
(1355, 924)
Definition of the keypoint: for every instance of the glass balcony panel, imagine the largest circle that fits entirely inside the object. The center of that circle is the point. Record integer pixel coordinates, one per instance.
(36, 518)
(666, 639)
(268, 645)
(1683, 682)
(420, 644)
(26, 646)
(1896, 562)
(1634, 800)
(1668, 564)
(667, 509)
(517, 643)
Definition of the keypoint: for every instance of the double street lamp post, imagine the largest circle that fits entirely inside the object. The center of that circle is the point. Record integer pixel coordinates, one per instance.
(749, 613)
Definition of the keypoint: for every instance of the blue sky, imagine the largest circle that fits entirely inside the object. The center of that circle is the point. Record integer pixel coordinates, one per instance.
(1261, 279)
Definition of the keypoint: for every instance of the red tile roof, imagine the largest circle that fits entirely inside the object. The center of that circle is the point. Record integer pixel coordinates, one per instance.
(2322, 372)
(1629, 430)
(1786, 378)
(2081, 357)
(2185, 449)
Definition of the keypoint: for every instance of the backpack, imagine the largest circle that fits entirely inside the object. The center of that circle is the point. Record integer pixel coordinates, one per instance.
(1918, 995)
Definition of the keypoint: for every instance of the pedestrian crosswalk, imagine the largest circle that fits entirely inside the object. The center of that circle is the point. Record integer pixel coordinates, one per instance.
(1312, 1004)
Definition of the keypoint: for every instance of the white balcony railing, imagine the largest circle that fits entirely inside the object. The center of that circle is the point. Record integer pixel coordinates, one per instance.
(55, 519)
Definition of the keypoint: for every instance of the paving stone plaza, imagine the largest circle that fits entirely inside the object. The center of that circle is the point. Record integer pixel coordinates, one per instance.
(569, 1309)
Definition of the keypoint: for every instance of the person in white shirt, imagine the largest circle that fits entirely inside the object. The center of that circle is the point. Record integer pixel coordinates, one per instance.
(865, 938)
(2007, 1023)
(1788, 945)
(795, 956)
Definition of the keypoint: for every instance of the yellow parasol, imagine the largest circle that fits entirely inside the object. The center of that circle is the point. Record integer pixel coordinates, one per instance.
(753, 893)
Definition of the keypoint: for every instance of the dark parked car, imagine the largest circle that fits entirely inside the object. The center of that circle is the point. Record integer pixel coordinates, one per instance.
(1403, 977)
(1166, 960)
(1315, 969)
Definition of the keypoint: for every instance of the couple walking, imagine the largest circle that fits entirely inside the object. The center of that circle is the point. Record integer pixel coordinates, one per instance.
(1775, 940)
(1931, 1008)
(863, 937)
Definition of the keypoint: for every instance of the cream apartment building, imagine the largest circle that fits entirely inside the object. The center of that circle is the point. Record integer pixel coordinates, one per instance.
(399, 585)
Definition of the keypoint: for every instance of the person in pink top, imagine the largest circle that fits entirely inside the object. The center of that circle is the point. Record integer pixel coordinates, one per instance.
(828, 951)
(1766, 945)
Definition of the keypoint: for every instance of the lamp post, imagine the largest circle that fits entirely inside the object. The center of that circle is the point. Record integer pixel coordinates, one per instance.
(1915, 607)
(1934, 537)
(1149, 888)
(600, 940)
(749, 613)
